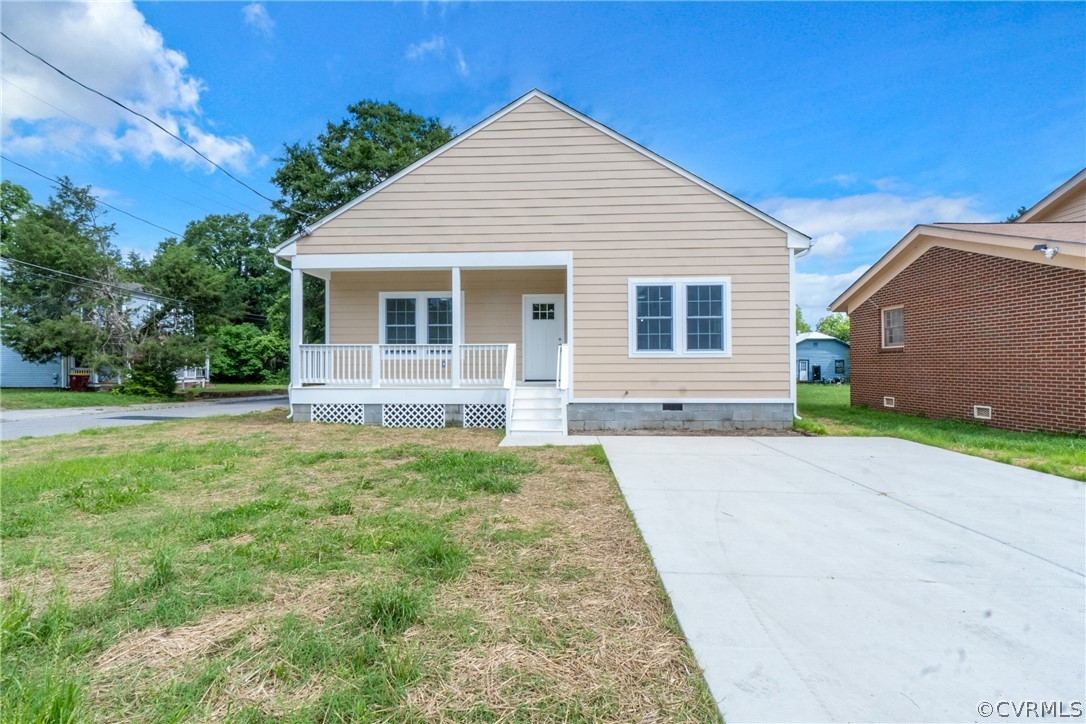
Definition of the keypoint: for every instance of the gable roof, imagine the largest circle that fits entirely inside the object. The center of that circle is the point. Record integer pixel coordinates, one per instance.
(1067, 187)
(1007, 240)
(796, 239)
(817, 336)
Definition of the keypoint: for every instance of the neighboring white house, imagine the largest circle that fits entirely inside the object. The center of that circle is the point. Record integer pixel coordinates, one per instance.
(542, 272)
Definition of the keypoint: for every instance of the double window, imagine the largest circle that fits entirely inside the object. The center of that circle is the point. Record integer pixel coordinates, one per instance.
(893, 327)
(416, 318)
(680, 317)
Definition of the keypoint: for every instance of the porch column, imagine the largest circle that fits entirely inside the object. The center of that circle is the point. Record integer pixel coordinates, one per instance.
(296, 320)
(457, 316)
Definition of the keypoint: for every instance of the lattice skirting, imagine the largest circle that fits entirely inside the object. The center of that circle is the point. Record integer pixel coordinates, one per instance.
(417, 415)
(339, 412)
(484, 415)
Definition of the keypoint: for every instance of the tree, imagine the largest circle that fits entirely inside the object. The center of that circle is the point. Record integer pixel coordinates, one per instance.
(190, 288)
(1016, 215)
(801, 326)
(836, 325)
(15, 201)
(65, 293)
(61, 283)
(375, 141)
(237, 246)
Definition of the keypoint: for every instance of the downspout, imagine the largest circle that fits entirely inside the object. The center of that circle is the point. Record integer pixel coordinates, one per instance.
(795, 254)
(275, 260)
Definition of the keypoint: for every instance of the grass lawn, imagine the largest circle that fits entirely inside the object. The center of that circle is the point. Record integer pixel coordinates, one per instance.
(16, 398)
(238, 387)
(825, 410)
(250, 569)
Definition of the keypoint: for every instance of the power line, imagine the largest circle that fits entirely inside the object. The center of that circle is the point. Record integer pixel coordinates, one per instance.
(56, 275)
(153, 122)
(98, 202)
(102, 133)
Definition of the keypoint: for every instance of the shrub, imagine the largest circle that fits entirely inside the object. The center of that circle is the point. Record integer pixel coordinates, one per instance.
(245, 353)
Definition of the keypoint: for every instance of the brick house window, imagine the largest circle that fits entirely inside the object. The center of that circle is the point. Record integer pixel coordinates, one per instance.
(893, 327)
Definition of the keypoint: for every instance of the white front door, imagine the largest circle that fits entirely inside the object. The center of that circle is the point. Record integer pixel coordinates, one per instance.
(544, 321)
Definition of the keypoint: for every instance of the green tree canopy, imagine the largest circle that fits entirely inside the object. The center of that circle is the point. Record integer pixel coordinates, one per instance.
(801, 325)
(836, 325)
(60, 264)
(237, 247)
(374, 142)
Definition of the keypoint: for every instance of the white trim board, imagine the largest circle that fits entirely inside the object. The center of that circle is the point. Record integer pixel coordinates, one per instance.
(796, 239)
(678, 317)
(680, 400)
(434, 260)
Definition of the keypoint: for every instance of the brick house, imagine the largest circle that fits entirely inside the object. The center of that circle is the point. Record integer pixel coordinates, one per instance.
(979, 321)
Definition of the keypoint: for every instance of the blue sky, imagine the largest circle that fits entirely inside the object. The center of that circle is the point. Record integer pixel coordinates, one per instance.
(850, 121)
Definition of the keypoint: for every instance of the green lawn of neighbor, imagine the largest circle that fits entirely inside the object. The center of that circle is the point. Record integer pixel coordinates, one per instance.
(248, 569)
(825, 410)
(15, 398)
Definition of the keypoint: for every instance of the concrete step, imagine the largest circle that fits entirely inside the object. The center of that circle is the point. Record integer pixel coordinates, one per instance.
(536, 428)
(523, 393)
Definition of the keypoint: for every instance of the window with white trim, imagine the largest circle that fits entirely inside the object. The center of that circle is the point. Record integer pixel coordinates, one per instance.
(416, 318)
(893, 327)
(687, 317)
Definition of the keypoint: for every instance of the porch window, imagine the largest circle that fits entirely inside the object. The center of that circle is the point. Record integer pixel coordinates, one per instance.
(680, 317)
(400, 325)
(893, 327)
(439, 320)
(417, 318)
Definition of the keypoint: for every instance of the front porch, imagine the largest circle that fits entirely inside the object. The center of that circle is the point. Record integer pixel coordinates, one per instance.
(394, 354)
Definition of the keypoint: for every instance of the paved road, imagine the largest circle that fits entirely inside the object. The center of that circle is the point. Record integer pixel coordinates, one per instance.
(42, 423)
(863, 579)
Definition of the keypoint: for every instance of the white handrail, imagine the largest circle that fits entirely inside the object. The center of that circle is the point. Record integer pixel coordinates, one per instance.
(562, 378)
(509, 382)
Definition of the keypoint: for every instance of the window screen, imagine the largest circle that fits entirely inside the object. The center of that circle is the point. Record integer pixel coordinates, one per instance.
(439, 320)
(655, 319)
(400, 321)
(893, 327)
(705, 317)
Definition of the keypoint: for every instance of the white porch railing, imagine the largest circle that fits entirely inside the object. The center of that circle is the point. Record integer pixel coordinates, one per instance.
(404, 365)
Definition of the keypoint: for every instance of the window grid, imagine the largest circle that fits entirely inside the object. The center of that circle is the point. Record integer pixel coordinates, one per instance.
(655, 318)
(893, 327)
(705, 317)
(400, 321)
(439, 320)
(680, 317)
(543, 311)
(839, 367)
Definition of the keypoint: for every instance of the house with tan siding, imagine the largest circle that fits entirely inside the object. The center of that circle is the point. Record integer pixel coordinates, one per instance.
(542, 273)
(981, 322)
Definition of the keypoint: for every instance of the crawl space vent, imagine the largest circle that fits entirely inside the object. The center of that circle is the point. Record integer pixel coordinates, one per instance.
(982, 412)
(889, 402)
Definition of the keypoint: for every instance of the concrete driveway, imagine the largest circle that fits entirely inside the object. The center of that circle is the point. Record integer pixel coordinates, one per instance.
(864, 579)
(43, 423)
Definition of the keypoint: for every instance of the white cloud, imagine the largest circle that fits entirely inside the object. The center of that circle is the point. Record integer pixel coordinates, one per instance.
(110, 47)
(845, 179)
(255, 15)
(438, 47)
(461, 64)
(834, 223)
(434, 46)
(814, 292)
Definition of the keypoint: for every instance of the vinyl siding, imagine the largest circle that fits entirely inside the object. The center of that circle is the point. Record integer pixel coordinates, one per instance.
(1072, 207)
(492, 301)
(17, 372)
(824, 354)
(539, 179)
